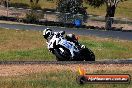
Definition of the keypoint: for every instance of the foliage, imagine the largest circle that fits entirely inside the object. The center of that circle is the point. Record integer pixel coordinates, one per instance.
(73, 7)
(110, 10)
(33, 16)
(34, 6)
(18, 5)
(95, 3)
(70, 6)
(34, 1)
(98, 3)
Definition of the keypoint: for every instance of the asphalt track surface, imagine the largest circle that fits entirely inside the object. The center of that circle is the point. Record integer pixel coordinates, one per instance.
(105, 34)
(129, 61)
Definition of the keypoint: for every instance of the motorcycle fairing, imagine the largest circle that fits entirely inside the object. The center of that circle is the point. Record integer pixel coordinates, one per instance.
(63, 42)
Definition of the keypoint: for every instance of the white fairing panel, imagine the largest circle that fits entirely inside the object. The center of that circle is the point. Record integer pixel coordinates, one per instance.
(66, 44)
(63, 42)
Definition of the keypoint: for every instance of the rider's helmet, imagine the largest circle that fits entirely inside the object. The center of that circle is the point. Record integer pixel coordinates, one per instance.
(47, 33)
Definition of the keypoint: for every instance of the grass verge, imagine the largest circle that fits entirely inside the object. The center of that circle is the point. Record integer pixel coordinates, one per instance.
(60, 79)
(30, 45)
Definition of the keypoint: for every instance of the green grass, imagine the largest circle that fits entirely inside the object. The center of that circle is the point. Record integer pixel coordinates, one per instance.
(22, 55)
(124, 9)
(109, 49)
(60, 79)
(30, 45)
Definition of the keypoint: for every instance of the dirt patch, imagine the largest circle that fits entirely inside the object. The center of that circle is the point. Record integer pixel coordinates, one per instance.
(14, 70)
(102, 24)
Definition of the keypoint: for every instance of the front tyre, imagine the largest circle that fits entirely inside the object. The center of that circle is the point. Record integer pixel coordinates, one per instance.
(87, 54)
(62, 54)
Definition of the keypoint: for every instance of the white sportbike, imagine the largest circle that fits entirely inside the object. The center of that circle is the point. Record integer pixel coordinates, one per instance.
(65, 50)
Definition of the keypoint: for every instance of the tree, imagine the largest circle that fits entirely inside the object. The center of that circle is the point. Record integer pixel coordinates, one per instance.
(34, 1)
(70, 6)
(111, 6)
(4, 2)
(34, 4)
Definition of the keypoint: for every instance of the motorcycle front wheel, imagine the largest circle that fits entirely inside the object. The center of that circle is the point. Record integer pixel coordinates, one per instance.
(87, 54)
(62, 54)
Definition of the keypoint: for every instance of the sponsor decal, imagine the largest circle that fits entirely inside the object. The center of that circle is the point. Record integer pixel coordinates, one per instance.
(102, 78)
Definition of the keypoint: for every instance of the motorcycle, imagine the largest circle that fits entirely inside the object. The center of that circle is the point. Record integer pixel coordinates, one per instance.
(65, 50)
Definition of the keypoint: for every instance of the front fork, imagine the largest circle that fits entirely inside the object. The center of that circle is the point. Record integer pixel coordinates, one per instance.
(71, 51)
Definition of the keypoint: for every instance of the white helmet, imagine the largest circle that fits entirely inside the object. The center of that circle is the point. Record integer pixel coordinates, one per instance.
(47, 33)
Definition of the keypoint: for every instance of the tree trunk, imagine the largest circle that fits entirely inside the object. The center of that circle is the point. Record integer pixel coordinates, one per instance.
(109, 20)
(31, 1)
(37, 1)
